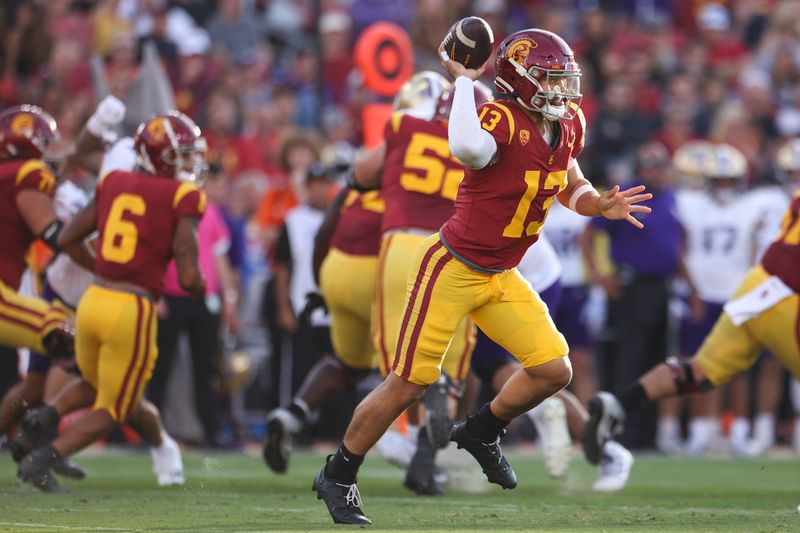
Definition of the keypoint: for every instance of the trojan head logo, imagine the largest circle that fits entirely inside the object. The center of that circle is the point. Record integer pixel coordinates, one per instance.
(524, 137)
(22, 124)
(156, 129)
(520, 49)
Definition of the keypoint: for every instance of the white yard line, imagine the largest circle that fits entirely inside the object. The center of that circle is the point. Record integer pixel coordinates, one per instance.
(68, 528)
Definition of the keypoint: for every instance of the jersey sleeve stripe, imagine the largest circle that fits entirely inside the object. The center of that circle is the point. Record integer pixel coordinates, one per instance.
(397, 120)
(28, 167)
(582, 118)
(181, 192)
(510, 117)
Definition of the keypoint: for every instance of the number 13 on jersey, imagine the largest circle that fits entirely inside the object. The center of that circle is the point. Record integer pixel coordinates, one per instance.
(554, 183)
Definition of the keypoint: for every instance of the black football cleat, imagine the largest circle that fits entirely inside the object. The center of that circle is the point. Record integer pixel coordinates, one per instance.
(38, 427)
(438, 422)
(421, 475)
(281, 428)
(606, 419)
(35, 469)
(488, 454)
(64, 467)
(343, 500)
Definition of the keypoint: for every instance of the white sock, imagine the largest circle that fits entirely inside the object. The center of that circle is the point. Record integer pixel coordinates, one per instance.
(166, 440)
(412, 432)
(669, 428)
(764, 427)
(701, 429)
(740, 429)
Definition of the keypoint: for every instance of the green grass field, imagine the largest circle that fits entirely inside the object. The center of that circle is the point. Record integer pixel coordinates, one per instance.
(234, 492)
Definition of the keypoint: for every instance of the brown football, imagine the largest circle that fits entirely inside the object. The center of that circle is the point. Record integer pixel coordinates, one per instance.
(469, 42)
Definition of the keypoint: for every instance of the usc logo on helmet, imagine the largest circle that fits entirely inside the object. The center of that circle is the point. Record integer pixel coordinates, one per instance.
(519, 50)
(156, 129)
(23, 124)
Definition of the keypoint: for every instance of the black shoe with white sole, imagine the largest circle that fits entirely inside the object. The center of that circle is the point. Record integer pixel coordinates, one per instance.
(488, 454)
(606, 419)
(281, 428)
(342, 500)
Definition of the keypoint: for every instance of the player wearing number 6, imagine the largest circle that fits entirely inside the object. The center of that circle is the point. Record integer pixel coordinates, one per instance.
(144, 218)
(520, 155)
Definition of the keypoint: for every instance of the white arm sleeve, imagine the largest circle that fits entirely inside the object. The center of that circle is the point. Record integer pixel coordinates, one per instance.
(471, 144)
(121, 156)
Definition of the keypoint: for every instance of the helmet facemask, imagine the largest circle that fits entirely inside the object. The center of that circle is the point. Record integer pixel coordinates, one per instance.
(555, 90)
(189, 161)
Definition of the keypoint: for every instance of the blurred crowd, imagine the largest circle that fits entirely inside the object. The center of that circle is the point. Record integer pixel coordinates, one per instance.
(275, 87)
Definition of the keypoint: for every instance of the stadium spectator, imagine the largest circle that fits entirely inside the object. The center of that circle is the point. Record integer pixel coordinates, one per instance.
(232, 30)
(179, 312)
(638, 289)
(303, 340)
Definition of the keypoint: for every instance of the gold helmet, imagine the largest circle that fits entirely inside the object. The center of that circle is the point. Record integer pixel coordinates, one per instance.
(694, 161)
(788, 158)
(422, 88)
(729, 163)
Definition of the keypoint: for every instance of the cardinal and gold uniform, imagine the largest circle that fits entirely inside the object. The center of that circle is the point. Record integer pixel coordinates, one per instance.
(728, 349)
(116, 330)
(420, 183)
(347, 278)
(24, 321)
(468, 269)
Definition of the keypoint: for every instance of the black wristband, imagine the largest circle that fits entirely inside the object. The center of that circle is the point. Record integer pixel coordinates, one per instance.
(353, 184)
(50, 234)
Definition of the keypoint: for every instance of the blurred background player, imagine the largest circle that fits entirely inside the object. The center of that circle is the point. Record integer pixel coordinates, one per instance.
(345, 263)
(27, 186)
(143, 219)
(563, 231)
(762, 314)
(644, 264)
(721, 246)
(67, 281)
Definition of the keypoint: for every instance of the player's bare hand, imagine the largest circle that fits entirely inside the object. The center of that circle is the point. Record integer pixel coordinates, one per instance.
(615, 204)
(697, 308)
(456, 69)
(609, 285)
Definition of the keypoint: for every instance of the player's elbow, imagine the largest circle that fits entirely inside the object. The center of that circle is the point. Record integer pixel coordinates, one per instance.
(469, 152)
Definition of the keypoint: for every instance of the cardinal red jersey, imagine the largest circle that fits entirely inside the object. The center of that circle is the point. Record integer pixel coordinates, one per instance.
(500, 209)
(15, 177)
(359, 229)
(137, 215)
(420, 177)
(782, 258)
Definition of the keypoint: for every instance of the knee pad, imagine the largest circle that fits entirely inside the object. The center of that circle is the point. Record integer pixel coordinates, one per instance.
(683, 376)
